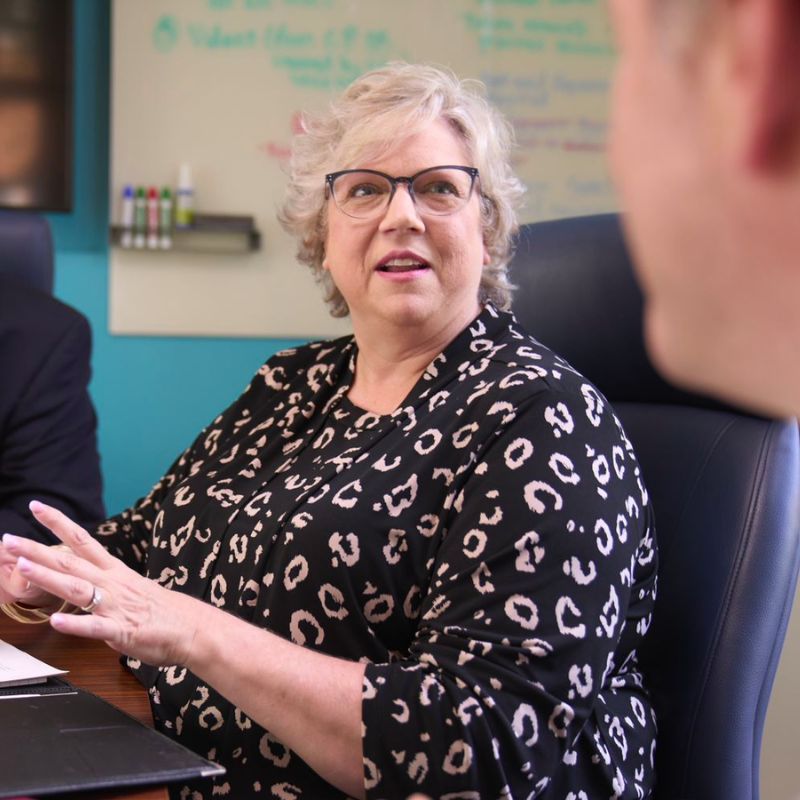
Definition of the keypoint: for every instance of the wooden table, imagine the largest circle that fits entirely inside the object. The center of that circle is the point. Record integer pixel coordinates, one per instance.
(93, 666)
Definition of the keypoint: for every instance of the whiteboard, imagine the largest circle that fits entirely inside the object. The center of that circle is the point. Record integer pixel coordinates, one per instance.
(219, 84)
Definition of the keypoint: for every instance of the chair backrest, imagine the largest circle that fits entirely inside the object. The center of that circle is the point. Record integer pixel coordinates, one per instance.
(724, 487)
(26, 250)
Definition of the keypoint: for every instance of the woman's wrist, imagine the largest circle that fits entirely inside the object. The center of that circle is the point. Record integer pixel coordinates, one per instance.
(193, 617)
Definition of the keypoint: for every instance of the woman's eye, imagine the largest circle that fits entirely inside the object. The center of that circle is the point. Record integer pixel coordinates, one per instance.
(440, 187)
(364, 190)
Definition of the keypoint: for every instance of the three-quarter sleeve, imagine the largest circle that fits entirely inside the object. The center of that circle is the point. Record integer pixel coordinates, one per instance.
(128, 535)
(547, 559)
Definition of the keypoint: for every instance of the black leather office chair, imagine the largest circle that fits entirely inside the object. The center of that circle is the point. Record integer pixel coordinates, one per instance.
(26, 255)
(724, 487)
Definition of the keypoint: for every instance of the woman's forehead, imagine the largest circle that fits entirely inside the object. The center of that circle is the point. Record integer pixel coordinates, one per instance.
(429, 144)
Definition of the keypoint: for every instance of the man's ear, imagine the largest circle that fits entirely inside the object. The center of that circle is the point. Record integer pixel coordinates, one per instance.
(764, 37)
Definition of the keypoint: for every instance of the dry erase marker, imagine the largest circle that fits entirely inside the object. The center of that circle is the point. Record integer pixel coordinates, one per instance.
(165, 219)
(152, 218)
(126, 220)
(139, 217)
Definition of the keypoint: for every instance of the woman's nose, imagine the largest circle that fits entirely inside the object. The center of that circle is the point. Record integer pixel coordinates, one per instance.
(402, 211)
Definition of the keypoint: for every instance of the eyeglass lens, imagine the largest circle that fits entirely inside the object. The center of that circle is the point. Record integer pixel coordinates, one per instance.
(441, 190)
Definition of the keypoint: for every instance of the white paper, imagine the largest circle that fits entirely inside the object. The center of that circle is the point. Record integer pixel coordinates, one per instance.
(17, 668)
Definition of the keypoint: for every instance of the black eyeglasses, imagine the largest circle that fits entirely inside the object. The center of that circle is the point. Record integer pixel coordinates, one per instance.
(367, 193)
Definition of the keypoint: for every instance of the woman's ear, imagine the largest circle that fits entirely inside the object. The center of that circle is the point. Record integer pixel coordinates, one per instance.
(763, 40)
(488, 219)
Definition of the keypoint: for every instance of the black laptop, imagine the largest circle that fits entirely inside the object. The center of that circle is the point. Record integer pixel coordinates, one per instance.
(56, 738)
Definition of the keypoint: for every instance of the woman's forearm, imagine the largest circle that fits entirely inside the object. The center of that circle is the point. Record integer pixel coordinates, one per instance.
(309, 701)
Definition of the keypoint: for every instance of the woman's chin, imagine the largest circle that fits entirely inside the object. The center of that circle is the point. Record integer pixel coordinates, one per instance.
(409, 309)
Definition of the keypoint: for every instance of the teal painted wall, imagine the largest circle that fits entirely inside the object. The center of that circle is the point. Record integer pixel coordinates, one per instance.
(152, 394)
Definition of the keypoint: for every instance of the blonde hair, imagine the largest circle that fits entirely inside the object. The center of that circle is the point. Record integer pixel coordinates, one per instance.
(370, 116)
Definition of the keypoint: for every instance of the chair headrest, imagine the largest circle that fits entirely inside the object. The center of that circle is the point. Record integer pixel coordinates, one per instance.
(578, 295)
(26, 250)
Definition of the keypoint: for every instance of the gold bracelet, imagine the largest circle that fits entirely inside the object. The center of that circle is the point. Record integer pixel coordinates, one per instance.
(29, 616)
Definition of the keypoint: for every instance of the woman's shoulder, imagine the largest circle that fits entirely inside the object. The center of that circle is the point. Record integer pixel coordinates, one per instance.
(291, 376)
(517, 361)
(314, 352)
(312, 364)
(511, 377)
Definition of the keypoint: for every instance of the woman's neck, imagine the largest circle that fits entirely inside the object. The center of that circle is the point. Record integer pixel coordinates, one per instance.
(388, 366)
(383, 378)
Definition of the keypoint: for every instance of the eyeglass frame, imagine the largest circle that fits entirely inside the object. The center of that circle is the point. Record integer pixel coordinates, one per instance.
(473, 173)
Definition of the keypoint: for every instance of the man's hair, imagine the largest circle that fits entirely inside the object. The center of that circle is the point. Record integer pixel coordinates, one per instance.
(372, 115)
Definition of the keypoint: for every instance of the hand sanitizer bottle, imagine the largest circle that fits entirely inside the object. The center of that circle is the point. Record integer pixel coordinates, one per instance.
(184, 198)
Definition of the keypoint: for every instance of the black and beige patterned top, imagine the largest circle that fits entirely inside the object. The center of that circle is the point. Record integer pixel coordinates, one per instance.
(487, 549)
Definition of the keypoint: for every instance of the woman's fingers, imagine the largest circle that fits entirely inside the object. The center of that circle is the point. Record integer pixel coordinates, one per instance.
(7, 586)
(71, 534)
(131, 613)
(61, 559)
(22, 589)
(79, 557)
(90, 626)
(65, 575)
(53, 570)
(15, 588)
(75, 589)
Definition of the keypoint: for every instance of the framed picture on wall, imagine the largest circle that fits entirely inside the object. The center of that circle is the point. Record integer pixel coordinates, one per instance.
(36, 77)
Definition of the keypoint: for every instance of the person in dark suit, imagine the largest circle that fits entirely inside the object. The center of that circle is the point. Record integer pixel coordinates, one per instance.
(48, 442)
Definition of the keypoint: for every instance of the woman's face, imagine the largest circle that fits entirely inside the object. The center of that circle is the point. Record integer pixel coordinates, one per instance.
(404, 269)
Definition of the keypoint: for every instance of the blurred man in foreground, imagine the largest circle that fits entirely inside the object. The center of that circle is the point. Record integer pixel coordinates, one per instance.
(705, 148)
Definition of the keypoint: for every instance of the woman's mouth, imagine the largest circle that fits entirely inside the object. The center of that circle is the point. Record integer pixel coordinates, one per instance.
(403, 265)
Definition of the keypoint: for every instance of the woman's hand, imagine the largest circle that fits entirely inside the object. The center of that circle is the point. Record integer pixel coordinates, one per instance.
(309, 701)
(132, 614)
(14, 587)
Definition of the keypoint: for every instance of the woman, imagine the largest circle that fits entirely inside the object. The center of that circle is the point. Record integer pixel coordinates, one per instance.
(417, 558)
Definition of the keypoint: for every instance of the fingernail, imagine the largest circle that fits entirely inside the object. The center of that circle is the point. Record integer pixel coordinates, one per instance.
(35, 506)
(23, 565)
(9, 539)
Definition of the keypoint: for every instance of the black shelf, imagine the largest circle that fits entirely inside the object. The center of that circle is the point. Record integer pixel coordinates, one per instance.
(210, 233)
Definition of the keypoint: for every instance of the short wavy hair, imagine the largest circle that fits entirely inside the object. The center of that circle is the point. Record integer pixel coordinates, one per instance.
(375, 111)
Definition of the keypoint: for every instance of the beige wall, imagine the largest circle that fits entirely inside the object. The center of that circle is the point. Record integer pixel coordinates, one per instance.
(780, 753)
(220, 84)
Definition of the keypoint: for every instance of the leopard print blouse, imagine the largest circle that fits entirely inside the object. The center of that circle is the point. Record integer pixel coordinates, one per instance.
(487, 550)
